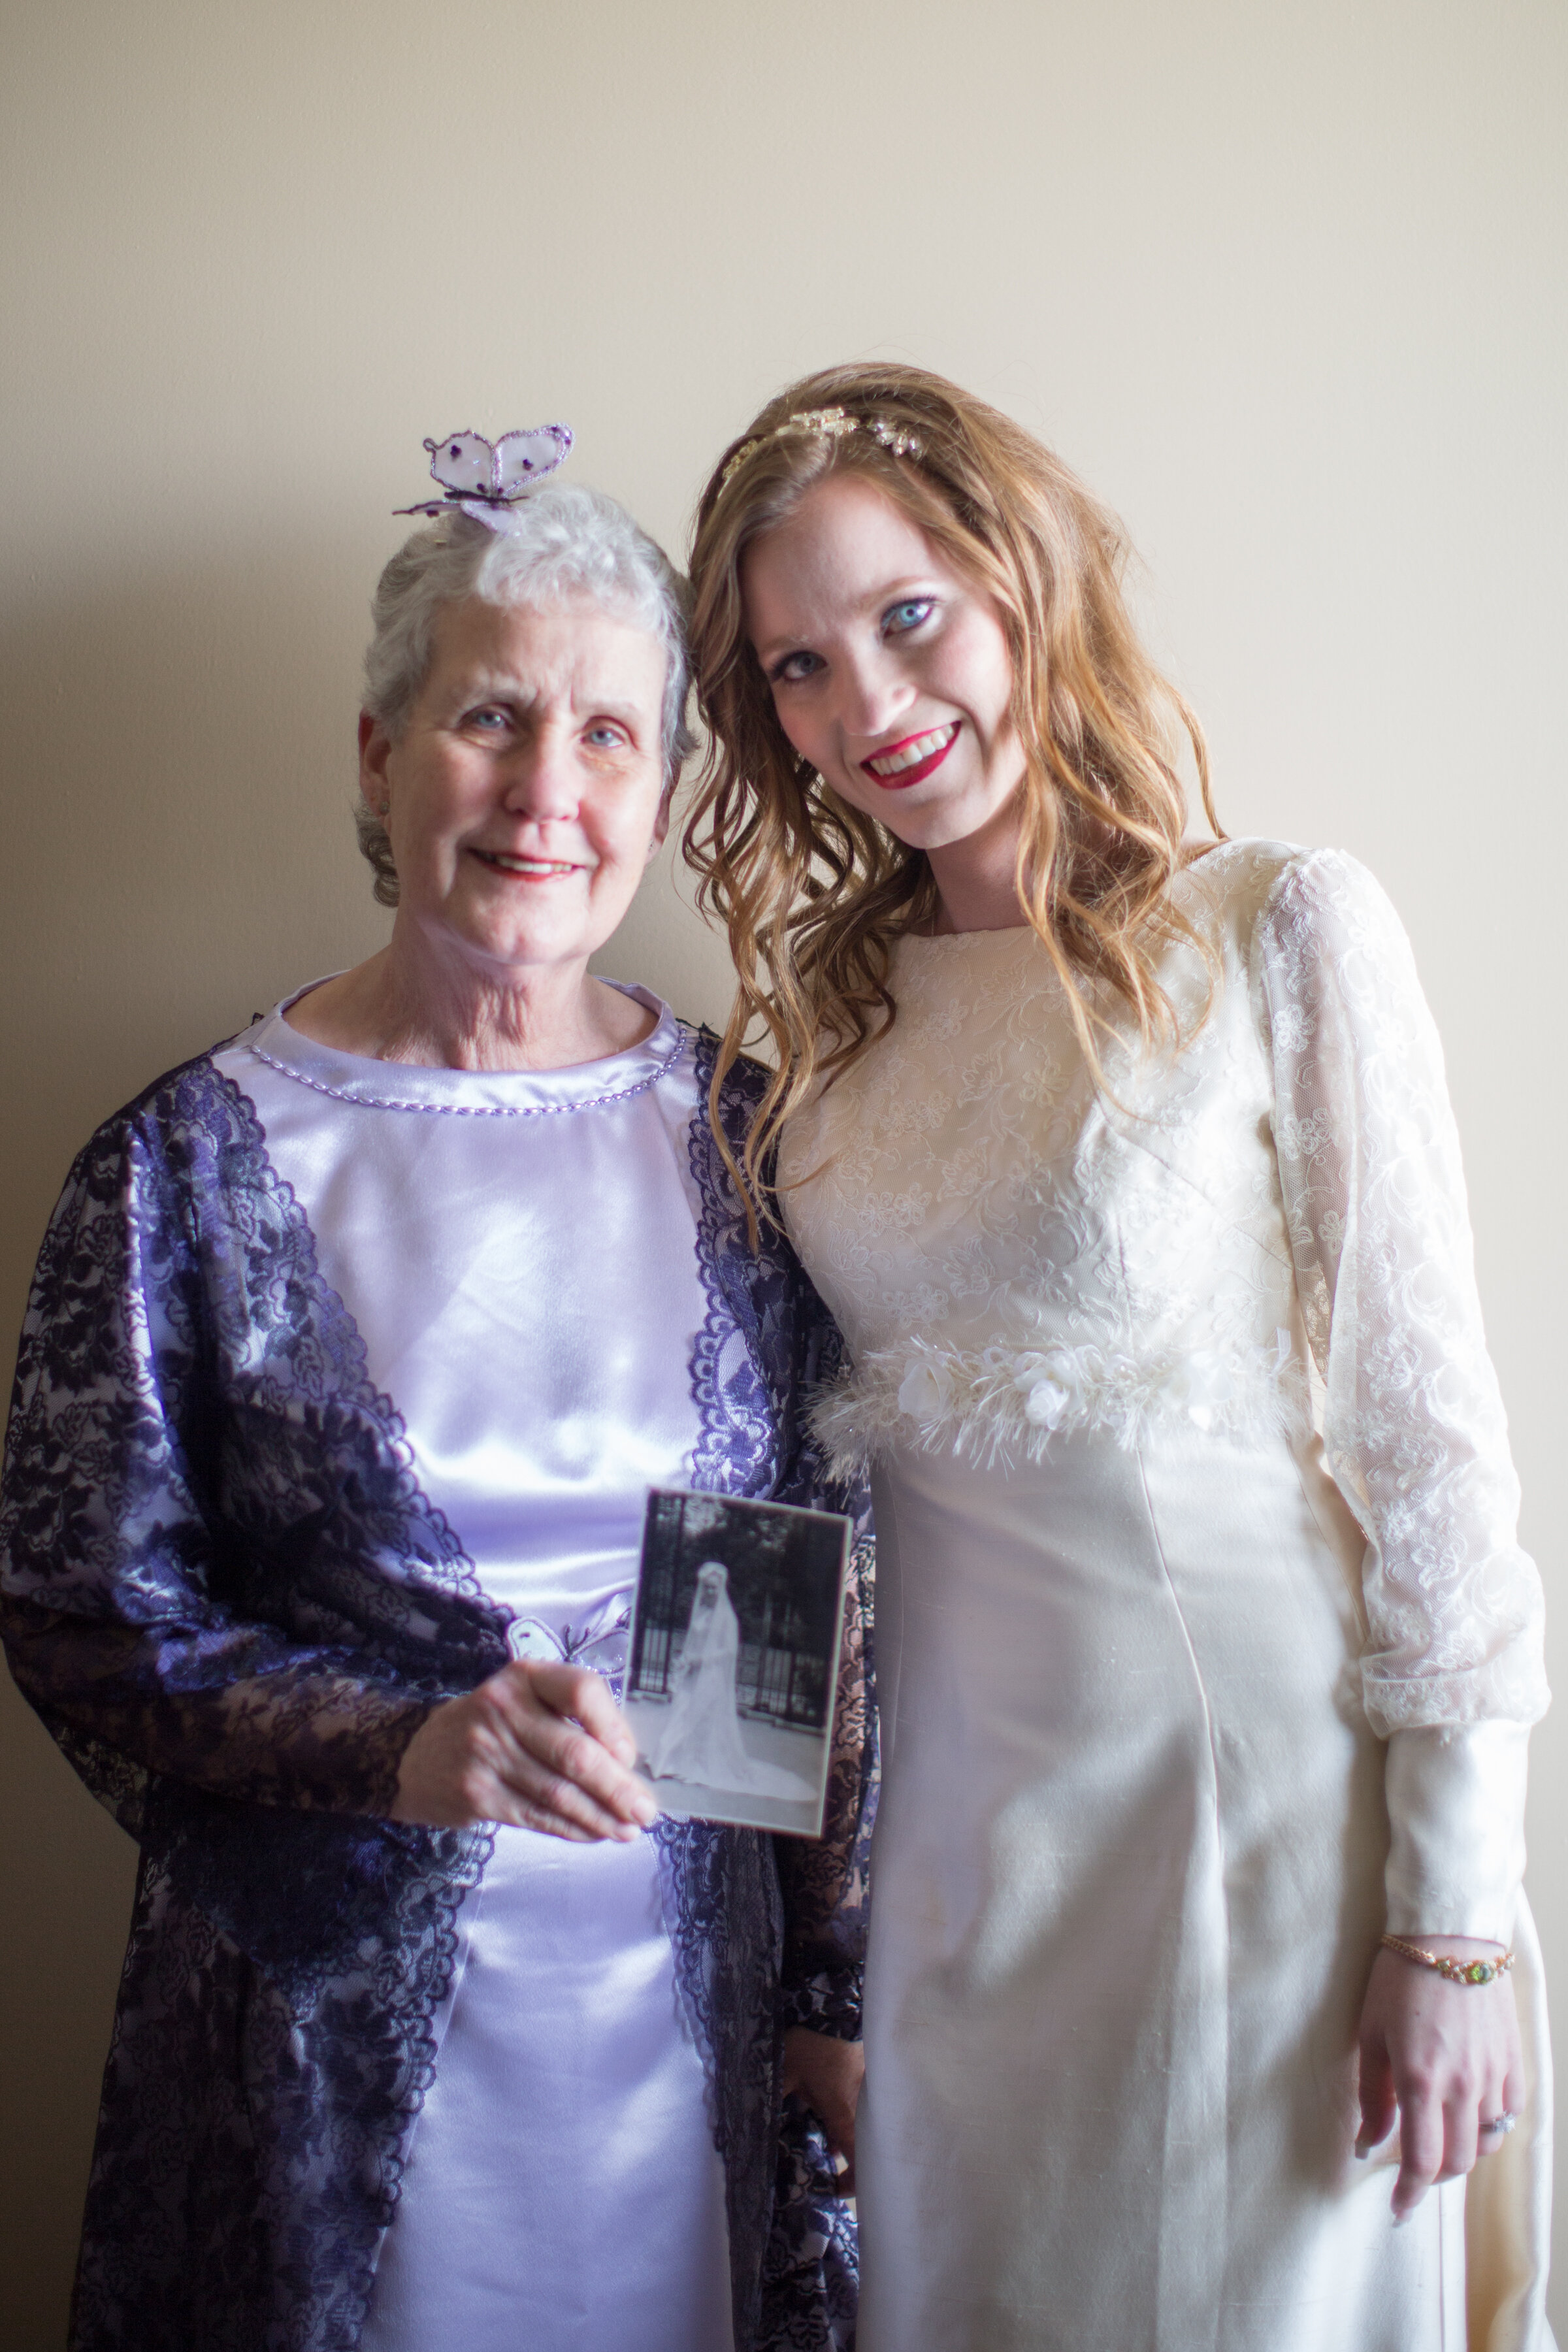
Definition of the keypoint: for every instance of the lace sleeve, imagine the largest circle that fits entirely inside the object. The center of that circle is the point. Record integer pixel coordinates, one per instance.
(1413, 1423)
(1413, 1426)
(759, 1439)
(113, 1540)
(826, 1881)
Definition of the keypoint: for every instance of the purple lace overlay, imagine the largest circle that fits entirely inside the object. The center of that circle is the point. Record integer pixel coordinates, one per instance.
(811, 2272)
(765, 1346)
(225, 1592)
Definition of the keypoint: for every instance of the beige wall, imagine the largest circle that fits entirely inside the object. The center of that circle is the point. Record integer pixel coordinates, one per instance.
(1284, 282)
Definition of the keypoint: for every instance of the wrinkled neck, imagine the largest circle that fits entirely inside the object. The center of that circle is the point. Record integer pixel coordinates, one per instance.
(412, 1003)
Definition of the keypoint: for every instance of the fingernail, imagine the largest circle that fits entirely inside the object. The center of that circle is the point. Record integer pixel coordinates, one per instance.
(1364, 2147)
(1401, 2219)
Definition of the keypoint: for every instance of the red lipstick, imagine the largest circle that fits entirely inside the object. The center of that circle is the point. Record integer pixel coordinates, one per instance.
(922, 769)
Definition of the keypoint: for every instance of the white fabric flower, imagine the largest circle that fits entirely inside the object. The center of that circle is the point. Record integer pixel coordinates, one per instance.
(1201, 1386)
(1046, 1403)
(1051, 1383)
(924, 1391)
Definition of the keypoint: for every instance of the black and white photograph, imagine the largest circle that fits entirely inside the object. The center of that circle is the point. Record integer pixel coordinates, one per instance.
(734, 1658)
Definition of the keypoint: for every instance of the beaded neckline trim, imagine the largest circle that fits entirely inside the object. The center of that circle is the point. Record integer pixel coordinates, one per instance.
(480, 1110)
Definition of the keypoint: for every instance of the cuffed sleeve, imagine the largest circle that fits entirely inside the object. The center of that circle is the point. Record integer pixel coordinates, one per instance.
(1412, 1425)
(1455, 1810)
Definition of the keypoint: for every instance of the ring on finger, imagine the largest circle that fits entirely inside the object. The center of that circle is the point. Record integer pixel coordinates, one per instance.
(1501, 2125)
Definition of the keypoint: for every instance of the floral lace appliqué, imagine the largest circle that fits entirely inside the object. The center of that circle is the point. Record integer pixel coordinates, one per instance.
(1258, 1237)
(765, 1342)
(1413, 1423)
(216, 1553)
(228, 1598)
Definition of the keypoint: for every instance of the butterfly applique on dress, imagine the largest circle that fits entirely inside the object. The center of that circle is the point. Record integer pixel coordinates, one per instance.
(599, 1643)
(486, 478)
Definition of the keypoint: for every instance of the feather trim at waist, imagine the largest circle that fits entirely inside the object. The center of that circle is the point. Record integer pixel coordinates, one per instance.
(999, 1405)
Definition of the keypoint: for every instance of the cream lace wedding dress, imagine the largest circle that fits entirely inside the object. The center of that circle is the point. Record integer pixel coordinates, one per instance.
(1205, 1645)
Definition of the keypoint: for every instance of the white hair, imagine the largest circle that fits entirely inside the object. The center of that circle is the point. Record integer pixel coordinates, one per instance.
(563, 544)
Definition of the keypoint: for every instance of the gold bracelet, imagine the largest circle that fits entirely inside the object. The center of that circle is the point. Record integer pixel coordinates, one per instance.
(1461, 1972)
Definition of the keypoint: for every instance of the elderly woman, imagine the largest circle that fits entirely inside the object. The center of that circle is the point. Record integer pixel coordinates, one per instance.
(355, 1346)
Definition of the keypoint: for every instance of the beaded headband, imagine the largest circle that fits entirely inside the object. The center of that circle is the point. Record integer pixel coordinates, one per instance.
(833, 423)
(486, 478)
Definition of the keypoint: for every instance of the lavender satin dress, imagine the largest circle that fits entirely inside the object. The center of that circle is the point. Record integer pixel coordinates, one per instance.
(517, 1251)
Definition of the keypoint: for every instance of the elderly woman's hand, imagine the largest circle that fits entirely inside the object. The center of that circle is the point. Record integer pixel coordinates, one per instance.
(1444, 2059)
(539, 1745)
(827, 2074)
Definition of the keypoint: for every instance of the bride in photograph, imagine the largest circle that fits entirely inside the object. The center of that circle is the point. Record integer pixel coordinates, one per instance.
(700, 1740)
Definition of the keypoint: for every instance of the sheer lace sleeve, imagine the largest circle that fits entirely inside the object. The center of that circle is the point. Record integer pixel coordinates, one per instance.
(758, 1438)
(1413, 1426)
(826, 1881)
(125, 1581)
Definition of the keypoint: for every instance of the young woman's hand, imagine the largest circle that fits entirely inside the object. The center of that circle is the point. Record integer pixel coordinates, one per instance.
(826, 2075)
(543, 1747)
(1443, 2060)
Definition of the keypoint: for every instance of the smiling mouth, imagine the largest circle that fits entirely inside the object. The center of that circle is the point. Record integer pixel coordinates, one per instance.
(529, 869)
(908, 762)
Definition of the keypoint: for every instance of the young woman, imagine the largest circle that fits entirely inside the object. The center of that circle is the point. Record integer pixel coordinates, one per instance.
(1207, 1652)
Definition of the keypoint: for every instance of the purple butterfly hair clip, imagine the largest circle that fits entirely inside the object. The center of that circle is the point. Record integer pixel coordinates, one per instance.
(486, 478)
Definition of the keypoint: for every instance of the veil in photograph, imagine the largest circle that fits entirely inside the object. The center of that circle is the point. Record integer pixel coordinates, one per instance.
(700, 1740)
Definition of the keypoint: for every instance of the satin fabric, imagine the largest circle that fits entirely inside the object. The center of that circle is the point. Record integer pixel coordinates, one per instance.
(479, 1225)
(1205, 1648)
(1129, 1888)
(564, 2189)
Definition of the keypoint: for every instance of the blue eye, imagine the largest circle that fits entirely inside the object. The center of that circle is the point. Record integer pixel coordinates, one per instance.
(900, 618)
(794, 668)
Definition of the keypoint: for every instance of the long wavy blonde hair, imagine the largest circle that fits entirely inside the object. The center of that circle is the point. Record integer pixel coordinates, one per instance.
(815, 893)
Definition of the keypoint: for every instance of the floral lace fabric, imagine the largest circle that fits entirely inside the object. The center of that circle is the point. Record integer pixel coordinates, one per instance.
(766, 1344)
(1261, 1234)
(225, 1594)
